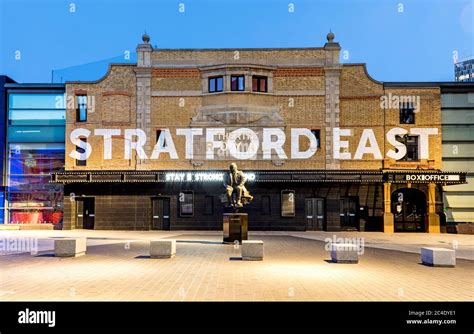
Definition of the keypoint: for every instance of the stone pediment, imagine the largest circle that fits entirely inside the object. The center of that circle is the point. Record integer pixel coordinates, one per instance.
(235, 115)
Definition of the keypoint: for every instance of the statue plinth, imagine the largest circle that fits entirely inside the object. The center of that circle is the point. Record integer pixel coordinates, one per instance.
(235, 227)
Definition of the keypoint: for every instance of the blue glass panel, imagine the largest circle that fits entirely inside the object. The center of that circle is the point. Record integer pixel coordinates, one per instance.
(220, 85)
(19, 114)
(25, 117)
(212, 85)
(36, 101)
(241, 83)
(32, 134)
(82, 113)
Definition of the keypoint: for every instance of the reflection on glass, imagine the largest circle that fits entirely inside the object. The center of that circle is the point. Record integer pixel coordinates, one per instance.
(186, 201)
(31, 198)
(288, 203)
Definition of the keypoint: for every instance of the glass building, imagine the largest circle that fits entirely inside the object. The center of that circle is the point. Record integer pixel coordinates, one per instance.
(35, 128)
(464, 70)
(457, 108)
(3, 111)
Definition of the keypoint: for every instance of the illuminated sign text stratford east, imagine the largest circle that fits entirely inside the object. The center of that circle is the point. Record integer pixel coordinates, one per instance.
(266, 145)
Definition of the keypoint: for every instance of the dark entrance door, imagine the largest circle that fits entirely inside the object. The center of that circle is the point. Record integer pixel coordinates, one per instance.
(160, 213)
(349, 212)
(85, 212)
(409, 210)
(315, 214)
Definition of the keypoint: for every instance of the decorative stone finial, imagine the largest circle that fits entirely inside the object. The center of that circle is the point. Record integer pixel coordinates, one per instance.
(330, 37)
(146, 38)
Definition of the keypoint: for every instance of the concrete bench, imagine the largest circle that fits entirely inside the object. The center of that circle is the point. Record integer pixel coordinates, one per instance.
(252, 250)
(438, 257)
(162, 249)
(344, 253)
(70, 247)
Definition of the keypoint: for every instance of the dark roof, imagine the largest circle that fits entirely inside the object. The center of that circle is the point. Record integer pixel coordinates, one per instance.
(36, 85)
(443, 85)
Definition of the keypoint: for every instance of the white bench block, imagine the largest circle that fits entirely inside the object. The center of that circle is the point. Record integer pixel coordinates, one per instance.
(162, 249)
(252, 250)
(70, 247)
(438, 257)
(344, 253)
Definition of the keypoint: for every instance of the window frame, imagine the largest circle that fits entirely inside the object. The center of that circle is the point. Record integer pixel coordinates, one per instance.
(78, 108)
(180, 210)
(209, 79)
(259, 78)
(404, 109)
(238, 77)
(282, 213)
(404, 140)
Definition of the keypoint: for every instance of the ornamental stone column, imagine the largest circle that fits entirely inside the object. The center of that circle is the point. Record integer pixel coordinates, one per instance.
(434, 225)
(143, 77)
(332, 69)
(388, 218)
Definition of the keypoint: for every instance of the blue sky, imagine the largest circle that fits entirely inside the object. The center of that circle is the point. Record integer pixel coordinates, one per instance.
(413, 43)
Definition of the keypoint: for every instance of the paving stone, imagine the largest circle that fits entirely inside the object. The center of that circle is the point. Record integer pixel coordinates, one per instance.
(294, 269)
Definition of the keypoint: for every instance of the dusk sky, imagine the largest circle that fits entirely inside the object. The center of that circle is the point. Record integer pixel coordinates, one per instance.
(399, 40)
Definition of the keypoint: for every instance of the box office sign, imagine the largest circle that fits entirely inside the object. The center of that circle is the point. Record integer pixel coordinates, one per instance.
(422, 178)
(426, 177)
(246, 143)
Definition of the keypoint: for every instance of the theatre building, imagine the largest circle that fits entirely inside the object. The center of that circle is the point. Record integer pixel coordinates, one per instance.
(323, 145)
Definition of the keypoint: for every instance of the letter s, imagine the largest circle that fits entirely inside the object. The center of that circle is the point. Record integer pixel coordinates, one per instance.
(74, 137)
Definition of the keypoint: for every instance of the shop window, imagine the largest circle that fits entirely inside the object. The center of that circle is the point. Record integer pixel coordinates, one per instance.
(31, 198)
(237, 82)
(288, 203)
(209, 205)
(317, 135)
(259, 84)
(266, 205)
(81, 111)
(411, 143)
(81, 150)
(407, 113)
(186, 203)
(216, 84)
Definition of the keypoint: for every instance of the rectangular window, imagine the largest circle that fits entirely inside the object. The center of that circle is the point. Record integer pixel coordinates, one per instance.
(186, 203)
(81, 150)
(216, 84)
(208, 205)
(411, 142)
(237, 82)
(317, 135)
(266, 205)
(288, 203)
(259, 84)
(36, 109)
(81, 111)
(407, 113)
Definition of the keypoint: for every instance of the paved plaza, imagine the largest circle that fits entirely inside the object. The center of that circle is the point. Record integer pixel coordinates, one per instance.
(296, 267)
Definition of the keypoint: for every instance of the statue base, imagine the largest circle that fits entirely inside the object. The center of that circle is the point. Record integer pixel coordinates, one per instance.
(235, 227)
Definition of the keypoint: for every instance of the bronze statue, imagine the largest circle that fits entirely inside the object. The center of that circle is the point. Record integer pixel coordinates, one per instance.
(234, 182)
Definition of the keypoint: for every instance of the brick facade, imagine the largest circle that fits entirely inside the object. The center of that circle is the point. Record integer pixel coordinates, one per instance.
(307, 88)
